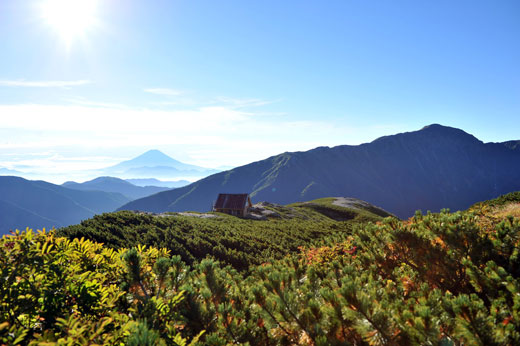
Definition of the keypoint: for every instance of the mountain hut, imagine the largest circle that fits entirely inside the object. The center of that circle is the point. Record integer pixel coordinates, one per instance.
(237, 204)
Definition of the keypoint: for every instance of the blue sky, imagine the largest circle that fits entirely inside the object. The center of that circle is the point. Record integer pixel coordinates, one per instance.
(230, 82)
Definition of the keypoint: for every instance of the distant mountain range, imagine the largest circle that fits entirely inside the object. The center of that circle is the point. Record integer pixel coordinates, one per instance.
(156, 164)
(111, 184)
(433, 168)
(143, 170)
(7, 171)
(156, 182)
(37, 204)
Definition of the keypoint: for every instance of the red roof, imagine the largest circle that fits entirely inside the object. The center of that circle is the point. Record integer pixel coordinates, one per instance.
(231, 201)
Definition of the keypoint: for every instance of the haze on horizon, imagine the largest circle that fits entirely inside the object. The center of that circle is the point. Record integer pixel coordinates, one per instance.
(85, 84)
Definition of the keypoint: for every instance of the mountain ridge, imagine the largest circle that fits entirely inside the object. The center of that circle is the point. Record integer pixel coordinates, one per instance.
(39, 204)
(112, 184)
(144, 182)
(431, 168)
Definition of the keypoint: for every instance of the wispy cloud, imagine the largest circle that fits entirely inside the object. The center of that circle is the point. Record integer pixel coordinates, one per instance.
(44, 84)
(243, 102)
(163, 91)
(85, 102)
(181, 99)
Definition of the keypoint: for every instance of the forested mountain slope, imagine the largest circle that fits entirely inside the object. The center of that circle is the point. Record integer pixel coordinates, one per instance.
(433, 168)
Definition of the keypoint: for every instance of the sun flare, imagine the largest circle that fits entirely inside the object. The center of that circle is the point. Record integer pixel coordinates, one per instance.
(70, 18)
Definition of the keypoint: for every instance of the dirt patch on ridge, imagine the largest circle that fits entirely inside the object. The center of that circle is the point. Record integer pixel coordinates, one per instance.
(506, 210)
(354, 203)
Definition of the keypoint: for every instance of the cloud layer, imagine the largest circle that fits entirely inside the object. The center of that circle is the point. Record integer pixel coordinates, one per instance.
(164, 91)
(210, 136)
(62, 141)
(43, 84)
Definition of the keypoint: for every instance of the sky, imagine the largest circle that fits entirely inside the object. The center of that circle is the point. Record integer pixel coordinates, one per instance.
(225, 83)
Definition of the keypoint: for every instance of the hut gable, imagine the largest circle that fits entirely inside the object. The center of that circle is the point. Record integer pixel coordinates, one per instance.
(233, 203)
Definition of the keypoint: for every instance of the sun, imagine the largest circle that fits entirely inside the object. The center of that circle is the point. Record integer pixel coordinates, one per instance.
(70, 18)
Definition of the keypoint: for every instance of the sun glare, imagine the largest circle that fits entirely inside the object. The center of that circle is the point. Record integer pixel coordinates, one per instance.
(70, 18)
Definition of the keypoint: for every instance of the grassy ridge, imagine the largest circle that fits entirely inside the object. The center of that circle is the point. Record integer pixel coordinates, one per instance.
(359, 211)
(239, 242)
(512, 197)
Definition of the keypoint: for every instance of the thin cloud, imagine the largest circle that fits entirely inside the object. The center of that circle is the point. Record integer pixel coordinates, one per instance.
(243, 102)
(163, 91)
(44, 84)
(84, 102)
(226, 130)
